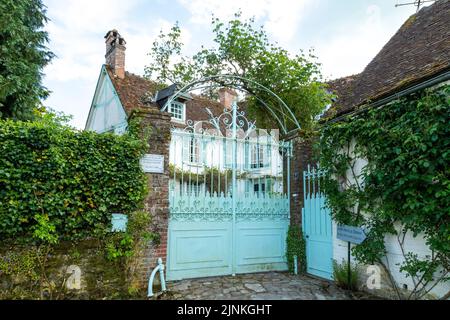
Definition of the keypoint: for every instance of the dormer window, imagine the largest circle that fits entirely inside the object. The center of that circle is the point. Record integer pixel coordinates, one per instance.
(177, 107)
(177, 110)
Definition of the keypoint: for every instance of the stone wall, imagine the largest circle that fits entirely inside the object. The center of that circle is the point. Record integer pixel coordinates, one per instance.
(157, 201)
(69, 271)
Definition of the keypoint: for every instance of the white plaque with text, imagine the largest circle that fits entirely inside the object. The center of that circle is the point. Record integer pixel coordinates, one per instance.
(153, 163)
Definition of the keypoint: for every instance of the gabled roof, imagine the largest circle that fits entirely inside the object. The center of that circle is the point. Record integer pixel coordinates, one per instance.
(342, 87)
(196, 108)
(418, 51)
(136, 92)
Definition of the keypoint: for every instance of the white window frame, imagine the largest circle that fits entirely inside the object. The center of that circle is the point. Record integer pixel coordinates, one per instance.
(264, 185)
(192, 150)
(183, 111)
(257, 156)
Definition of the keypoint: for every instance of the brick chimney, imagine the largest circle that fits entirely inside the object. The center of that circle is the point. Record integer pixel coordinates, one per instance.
(115, 52)
(227, 96)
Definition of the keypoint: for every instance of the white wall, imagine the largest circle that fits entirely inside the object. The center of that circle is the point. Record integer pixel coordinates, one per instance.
(106, 113)
(394, 255)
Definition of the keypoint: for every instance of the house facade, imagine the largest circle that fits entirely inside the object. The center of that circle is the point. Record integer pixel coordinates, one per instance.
(228, 200)
(118, 93)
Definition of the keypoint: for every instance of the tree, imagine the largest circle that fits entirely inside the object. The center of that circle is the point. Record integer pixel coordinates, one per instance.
(243, 50)
(23, 55)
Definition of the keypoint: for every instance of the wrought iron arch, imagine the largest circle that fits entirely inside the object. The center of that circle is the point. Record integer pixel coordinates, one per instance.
(281, 112)
(227, 188)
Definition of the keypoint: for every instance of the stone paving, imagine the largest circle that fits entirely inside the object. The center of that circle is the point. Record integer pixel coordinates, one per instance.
(258, 286)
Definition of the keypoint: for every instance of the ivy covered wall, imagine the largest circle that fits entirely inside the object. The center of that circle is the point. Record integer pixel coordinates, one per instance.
(60, 184)
(58, 188)
(388, 170)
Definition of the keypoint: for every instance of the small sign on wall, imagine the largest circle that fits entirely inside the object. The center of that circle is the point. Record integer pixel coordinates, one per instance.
(119, 222)
(152, 163)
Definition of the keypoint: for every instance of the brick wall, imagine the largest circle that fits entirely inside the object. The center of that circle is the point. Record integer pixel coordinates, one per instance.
(115, 53)
(301, 157)
(157, 201)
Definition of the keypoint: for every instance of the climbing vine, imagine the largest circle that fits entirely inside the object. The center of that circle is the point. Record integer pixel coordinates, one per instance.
(296, 246)
(388, 170)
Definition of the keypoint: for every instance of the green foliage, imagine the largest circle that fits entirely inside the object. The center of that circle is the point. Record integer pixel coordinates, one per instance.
(57, 183)
(23, 55)
(18, 262)
(44, 230)
(296, 246)
(124, 244)
(243, 50)
(215, 180)
(23, 271)
(59, 186)
(404, 188)
(164, 47)
(340, 275)
(119, 245)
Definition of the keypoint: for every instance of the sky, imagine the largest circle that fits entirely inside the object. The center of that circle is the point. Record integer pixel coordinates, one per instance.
(345, 35)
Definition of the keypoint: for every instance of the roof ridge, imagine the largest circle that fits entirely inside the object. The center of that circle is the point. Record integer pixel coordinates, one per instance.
(133, 88)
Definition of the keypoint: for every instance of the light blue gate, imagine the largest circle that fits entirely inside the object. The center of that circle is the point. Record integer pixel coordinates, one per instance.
(317, 226)
(229, 203)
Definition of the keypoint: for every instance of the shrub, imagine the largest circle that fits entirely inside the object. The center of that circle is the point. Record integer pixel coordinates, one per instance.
(340, 274)
(57, 183)
(296, 246)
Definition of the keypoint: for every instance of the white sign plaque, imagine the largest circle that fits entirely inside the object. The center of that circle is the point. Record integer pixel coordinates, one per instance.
(153, 163)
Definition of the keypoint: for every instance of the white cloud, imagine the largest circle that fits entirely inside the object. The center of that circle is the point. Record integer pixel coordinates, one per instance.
(76, 33)
(352, 48)
(77, 28)
(280, 17)
(284, 17)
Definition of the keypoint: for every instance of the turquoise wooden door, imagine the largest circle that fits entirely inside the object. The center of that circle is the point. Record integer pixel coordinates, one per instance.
(201, 243)
(229, 211)
(317, 227)
(199, 249)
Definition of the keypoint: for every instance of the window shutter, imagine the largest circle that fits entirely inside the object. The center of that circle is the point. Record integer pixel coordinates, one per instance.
(246, 156)
(269, 185)
(268, 156)
(186, 148)
(203, 152)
